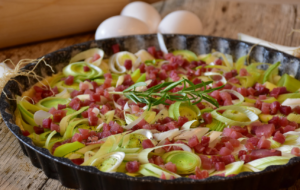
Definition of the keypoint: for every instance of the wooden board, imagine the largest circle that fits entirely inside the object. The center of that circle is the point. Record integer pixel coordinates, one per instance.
(271, 22)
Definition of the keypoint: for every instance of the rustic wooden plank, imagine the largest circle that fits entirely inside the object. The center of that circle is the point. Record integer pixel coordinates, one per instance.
(35, 50)
(16, 172)
(26, 21)
(271, 22)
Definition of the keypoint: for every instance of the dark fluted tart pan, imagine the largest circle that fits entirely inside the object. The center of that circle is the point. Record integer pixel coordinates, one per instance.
(87, 177)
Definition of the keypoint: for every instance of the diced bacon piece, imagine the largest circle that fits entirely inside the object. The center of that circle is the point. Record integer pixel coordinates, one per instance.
(116, 128)
(246, 158)
(289, 128)
(286, 110)
(225, 139)
(227, 132)
(243, 72)
(220, 166)
(218, 62)
(163, 176)
(193, 141)
(199, 148)
(84, 133)
(241, 153)
(25, 133)
(95, 97)
(249, 146)
(128, 64)
(253, 140)
(210, 151)
(83, 86)
(197, 81)
(158, 160)
(135, 109)
(242, 130)
(147, 144)
(236, 135)
(206, 163)
(225, 96)
(38, 130)
(86, 69)
(225, 151)
(277, 91)
(77, 137)
(265, 130)
(261, 153)
(105, 134)
(104, 109)
(55, 127)
(279, 137)
(201, 174)
(229, 146)
(207, 118)
(284, 121)
(234, 80)
(58, 115)
(295, 151)
(47, 123)
(261, 89)
(75, 104)
(205, 141)
(228, 75)
(181, 120)
(93, 120)
(132, 166)
(263, 143)
(69, 80)
(60, 106)
(200, 106)
(265, 108)
(227, 159)
(251, 91)
(243, 91)
(274, 107)
(171, 167)
(75, 93)
(216, 159)
(297, 109)
(77, 161)
(95, 57)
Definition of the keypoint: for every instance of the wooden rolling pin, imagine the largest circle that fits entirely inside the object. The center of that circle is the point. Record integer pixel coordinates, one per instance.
(26, 21)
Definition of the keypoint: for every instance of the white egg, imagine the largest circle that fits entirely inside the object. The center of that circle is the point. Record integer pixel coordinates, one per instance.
(120, 26)
(144, 12)
(180, 22)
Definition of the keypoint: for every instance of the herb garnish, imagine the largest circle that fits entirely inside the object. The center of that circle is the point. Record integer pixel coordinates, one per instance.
(160, 93)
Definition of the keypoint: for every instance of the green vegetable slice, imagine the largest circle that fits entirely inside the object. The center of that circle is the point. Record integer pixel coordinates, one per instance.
(184, 109)
(67, 148)
(76, 70)
(188, 55)
(252, 116)
(156, 171)
(272, 70)
(143, 155)
(233, 168)
(289, 82)
(109, 162)
(185, 162)
(65, 120)
(49, 102)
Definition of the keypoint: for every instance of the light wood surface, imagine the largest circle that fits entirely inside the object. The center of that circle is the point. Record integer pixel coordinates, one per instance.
(271, 22)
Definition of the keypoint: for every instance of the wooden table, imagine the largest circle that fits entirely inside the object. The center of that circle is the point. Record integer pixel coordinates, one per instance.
(271, 22)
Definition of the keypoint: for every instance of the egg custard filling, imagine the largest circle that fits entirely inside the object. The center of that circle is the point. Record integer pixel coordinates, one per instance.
(165, 115)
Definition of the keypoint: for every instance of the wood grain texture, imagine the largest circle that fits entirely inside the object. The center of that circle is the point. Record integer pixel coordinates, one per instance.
(271, 22)
(24, 21)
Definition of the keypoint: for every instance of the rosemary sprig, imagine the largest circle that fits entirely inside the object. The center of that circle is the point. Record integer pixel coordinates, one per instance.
(160, 93)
